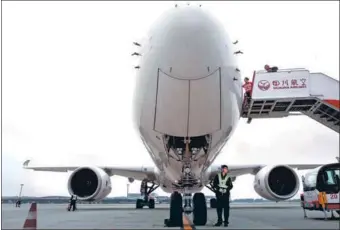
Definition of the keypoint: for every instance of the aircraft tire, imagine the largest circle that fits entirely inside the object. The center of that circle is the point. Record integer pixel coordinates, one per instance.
(139, 203)
(152, 203)
(213, 203)
(176, 213)
(200, 209)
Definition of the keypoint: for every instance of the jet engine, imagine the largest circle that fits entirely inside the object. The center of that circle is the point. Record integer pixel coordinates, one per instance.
(276, 183)
(89, 183)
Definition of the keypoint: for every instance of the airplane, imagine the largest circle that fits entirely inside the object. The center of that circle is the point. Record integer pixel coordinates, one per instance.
(187, 104)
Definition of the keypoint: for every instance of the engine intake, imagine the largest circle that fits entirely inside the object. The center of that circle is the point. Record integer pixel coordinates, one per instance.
(89, 183)
(276, 182)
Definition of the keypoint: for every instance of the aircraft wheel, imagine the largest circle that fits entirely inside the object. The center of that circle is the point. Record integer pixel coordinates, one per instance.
(176, 211)
(139, 203)
(213, 203)
(152, 203)
(200, 209)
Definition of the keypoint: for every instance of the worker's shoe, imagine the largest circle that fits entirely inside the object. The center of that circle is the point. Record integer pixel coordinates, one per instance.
(219, 223)
(226, 224)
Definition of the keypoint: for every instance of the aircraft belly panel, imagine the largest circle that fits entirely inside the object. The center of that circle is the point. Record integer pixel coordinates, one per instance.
(172, 101)
(205, 105)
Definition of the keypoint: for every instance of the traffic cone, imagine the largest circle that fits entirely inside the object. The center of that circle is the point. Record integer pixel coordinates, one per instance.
(31, 220)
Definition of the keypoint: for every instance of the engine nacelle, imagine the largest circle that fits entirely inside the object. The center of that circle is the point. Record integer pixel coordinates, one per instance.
(276, 183)
(89, 184)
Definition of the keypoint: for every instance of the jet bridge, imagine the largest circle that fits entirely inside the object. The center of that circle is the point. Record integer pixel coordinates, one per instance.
(294, 92)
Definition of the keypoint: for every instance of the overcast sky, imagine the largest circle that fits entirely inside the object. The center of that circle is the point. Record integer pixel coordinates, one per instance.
(68, 81)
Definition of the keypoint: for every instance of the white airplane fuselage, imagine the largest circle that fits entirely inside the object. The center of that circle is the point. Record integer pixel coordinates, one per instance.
(188, 96)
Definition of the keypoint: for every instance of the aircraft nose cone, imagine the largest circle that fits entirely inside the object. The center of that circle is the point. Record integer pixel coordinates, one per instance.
(188, 22)
(190, 42)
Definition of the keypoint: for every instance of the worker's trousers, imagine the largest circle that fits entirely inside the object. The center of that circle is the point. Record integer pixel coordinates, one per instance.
(223, 206)
(73, 205)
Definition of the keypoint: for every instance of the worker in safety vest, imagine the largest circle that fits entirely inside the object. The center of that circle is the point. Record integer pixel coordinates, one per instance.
(222, 185)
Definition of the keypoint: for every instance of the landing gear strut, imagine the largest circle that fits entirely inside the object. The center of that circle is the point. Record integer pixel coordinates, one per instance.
(187, 203)
(213, 201)
(199, 209)
(145, 191)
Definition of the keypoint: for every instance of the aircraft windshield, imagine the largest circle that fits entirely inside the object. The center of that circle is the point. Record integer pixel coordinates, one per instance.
(328, 179)
(332, 177)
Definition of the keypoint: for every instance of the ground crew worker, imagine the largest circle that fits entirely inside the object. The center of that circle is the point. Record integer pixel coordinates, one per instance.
(248, 86)
(271, 69)
(18, 203)
(73, 202)
(222, 185)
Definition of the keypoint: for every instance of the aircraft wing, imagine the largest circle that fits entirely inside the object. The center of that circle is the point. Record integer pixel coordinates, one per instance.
(239, 170)
(137, 173)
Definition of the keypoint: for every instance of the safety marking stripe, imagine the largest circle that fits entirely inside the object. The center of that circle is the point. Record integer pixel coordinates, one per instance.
(333, 206)
(31, 216)
(187, 225)
(335, 103)
(30, 224)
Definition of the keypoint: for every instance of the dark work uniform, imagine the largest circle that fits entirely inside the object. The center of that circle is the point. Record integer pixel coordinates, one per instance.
(273, 69)
(73, 202)
(222, 199)
(18, 203)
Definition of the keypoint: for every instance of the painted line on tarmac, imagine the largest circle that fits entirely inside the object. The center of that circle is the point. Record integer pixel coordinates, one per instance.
(187, 225)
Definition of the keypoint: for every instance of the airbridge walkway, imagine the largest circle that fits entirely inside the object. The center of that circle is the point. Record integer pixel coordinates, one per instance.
(295, 91)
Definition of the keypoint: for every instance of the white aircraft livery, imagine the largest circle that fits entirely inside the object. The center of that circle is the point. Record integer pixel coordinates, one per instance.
(188, 102)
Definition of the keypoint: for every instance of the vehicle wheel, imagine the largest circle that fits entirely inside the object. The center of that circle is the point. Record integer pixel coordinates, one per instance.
(139, 203)
(152, 203)
(176, 211)
(200, 209)
(213, 203)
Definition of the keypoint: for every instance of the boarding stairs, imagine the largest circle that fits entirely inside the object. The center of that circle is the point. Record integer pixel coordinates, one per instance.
(294, 92)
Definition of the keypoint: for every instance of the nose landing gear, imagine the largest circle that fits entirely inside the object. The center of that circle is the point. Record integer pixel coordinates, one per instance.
(176, 211)
(187, 209)
(199, 209)
(145, 191)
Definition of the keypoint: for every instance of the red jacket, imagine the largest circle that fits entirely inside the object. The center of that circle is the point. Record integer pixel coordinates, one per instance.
(248, 86)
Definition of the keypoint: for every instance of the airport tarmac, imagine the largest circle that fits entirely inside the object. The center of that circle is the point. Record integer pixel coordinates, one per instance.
(124, 216)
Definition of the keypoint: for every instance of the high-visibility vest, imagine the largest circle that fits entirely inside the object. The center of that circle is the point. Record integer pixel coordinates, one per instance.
(322, 198)
(222, 183)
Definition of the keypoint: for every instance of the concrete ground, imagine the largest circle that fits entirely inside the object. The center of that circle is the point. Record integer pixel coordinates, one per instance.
(121, 216)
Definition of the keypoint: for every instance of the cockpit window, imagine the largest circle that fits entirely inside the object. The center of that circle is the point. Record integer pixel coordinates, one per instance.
(330, 178)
